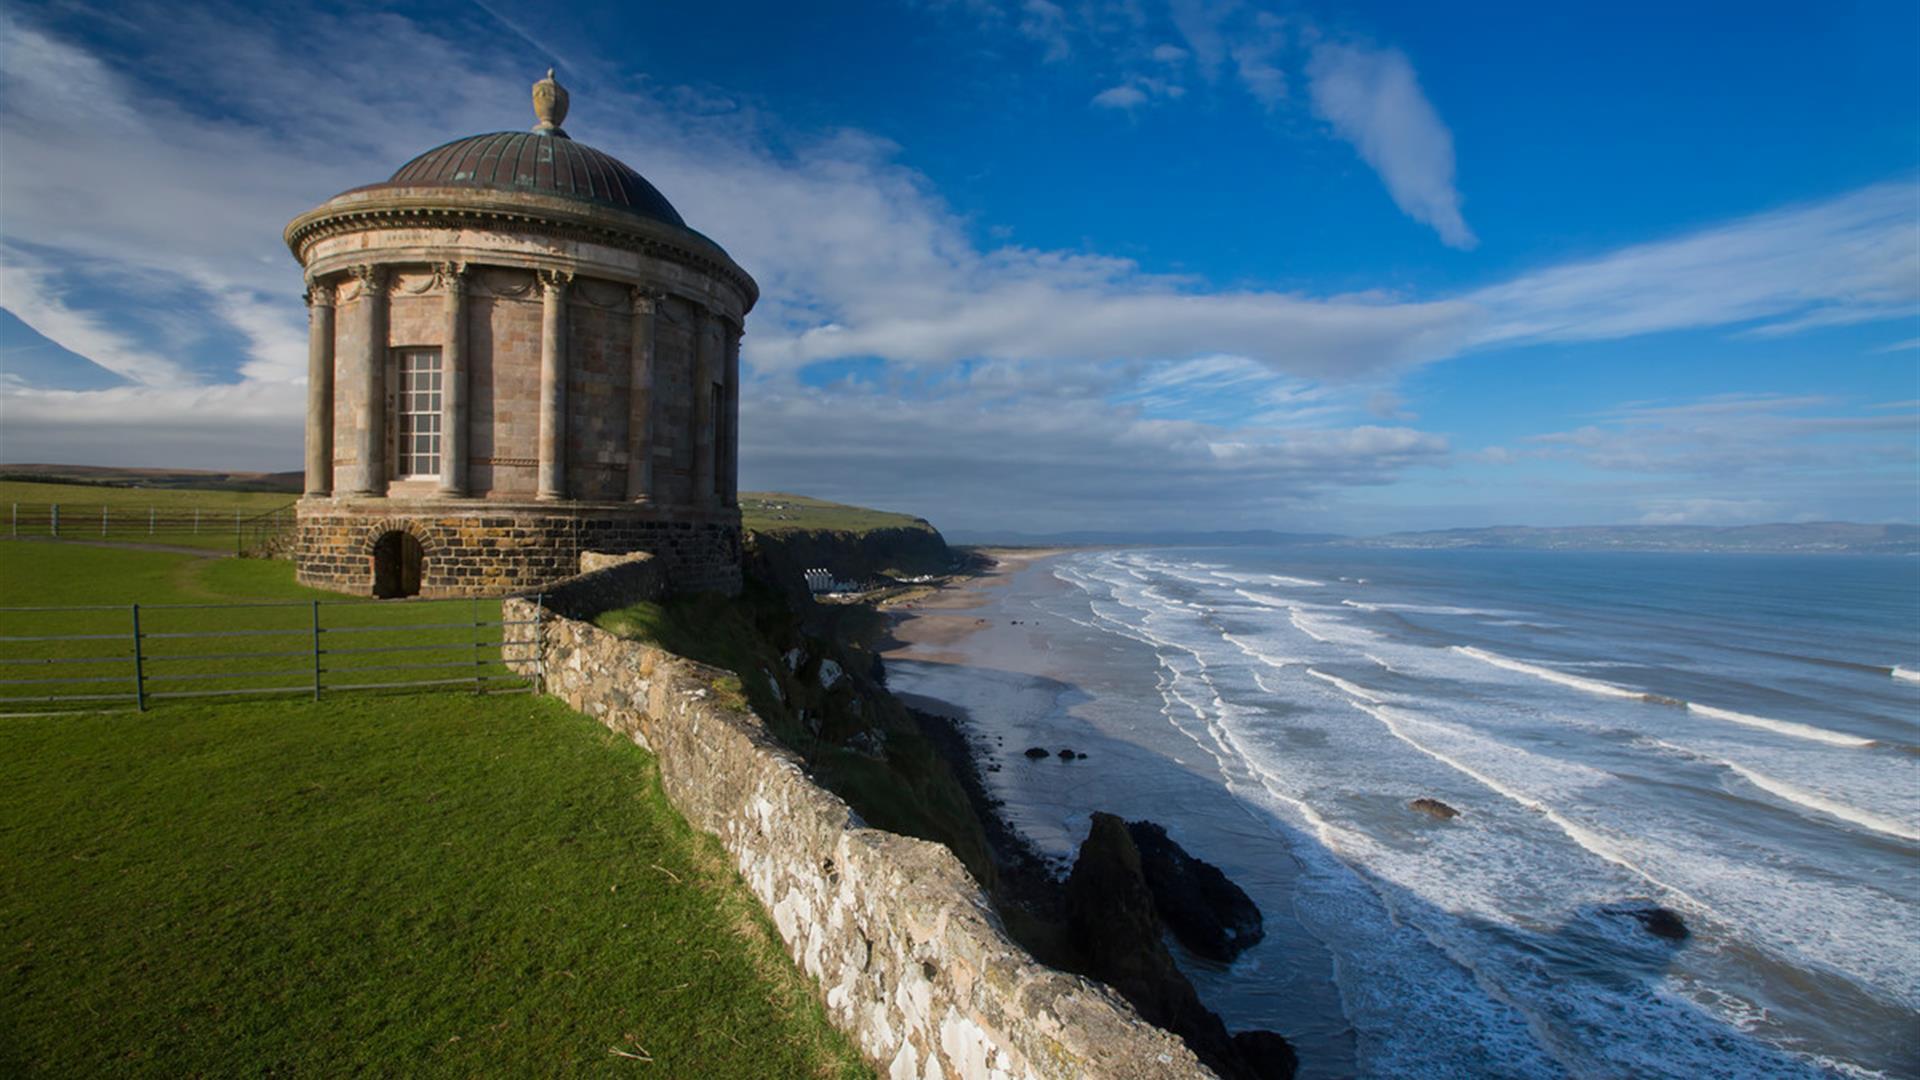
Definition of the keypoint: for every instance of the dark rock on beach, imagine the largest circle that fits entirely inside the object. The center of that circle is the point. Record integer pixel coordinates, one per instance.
(1265, 1053)
(1115, 926)
(1066, 754)
(1436, 808)
(1661, 922)
(1037, 752)
(1206, 911)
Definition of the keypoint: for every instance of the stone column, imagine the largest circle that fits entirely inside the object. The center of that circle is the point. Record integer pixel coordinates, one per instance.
(705, 365)
(730, 451)
(370, 417)
(453, 383)
(553, 385)
(640, 396)
(319, 390)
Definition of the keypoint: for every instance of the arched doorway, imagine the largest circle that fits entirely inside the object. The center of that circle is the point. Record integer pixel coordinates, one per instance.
(397, 560)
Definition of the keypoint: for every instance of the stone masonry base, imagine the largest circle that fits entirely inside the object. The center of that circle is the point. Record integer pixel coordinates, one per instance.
(483, 548)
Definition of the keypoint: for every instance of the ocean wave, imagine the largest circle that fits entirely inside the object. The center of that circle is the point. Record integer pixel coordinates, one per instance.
(1395, 722)
(1814, 800)
(1784, 727)
(1281, 580)
(1796, 794)
(1423, 609)
(1906, 674)
(1595, 686)
(1348, 688)
(1591, 686)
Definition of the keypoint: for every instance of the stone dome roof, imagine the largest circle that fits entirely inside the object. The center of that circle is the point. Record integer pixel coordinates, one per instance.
(543, 161)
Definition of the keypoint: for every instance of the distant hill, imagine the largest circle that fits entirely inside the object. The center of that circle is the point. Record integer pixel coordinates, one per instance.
(116, 476)
(1808, 537)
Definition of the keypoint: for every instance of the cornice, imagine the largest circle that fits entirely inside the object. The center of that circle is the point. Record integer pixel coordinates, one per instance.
(566, 219)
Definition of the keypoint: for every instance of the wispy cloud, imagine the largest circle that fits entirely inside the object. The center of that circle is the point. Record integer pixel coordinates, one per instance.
(1373, 100)
(1849, 259)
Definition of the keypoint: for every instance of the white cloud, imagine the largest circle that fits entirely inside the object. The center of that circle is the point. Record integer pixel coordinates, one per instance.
(1009, 378)
(1849, 259)
(1712, 511)
(1120, 97)
(1374, 101)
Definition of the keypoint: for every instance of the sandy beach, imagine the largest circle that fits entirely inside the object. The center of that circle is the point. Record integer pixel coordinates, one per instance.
(926, 625)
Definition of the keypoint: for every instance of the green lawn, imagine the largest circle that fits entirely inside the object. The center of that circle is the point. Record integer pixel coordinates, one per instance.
(436, 885)
(397, 884)
(132, 515)
(428, 639)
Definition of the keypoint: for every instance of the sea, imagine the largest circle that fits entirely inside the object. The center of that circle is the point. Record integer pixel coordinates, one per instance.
(1733, 737)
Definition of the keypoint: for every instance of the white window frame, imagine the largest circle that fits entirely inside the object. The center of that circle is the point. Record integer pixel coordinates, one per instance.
(417, 400)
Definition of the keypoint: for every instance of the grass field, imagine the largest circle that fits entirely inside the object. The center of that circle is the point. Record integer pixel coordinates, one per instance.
(172, 516)
(436, 885)
(443, 884)
(774, 512)
(190, 649)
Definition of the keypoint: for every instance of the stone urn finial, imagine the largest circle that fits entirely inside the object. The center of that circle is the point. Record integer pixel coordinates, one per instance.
(550, 105)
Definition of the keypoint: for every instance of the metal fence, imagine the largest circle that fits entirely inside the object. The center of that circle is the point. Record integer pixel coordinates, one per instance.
(244, 529)
(133, 655)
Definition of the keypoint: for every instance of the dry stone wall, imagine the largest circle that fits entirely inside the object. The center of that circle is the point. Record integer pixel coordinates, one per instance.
(909, 955)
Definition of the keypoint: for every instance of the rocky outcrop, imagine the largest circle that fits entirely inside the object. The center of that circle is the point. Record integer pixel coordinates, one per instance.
(1435, 808)
(1206, 911)
(911, 959)
(1661, 922)
(1114, 924)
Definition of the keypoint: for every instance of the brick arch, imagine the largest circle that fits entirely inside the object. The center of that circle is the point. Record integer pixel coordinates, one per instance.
(374, 530)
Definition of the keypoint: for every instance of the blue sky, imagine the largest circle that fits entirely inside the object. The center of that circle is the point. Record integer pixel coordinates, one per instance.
(1036, 265)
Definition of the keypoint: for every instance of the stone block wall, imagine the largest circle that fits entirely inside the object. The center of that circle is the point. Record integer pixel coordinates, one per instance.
(476, 548)
(910, 958)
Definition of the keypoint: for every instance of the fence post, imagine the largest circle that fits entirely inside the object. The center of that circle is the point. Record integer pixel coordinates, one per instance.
(539, 644)
(56, 520)
(103, 521)
(316, 650)
(151, 514)
(479, 681)
(16, 521)
(139, 664)
(196, 521)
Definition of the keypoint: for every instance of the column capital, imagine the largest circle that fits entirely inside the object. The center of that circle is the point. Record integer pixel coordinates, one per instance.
(319, 294)
(646, 298)
(373, 278)
(554, 281)
(451, 276)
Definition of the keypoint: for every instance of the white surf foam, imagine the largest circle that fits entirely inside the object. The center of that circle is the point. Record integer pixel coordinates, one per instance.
(1816, 801)
(1422, 609)
(1907, 674)
(1396, 722)
(1784, 727)
(1351, 689)
(1591, 686)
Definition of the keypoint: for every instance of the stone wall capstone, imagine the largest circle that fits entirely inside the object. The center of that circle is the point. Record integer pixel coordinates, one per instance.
(910, 957)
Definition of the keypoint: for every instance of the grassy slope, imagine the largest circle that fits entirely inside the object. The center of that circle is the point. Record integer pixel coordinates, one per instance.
(912, 791)
(437, 884)
(774, 512)
(443, 884)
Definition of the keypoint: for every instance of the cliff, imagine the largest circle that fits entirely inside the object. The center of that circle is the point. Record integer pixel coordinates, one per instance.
(789, 534)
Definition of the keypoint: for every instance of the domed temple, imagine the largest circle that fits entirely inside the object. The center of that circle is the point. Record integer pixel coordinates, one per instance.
(518, 352)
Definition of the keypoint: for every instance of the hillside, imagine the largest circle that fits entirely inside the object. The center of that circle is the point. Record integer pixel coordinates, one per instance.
(788, 534)
(1783, 538)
